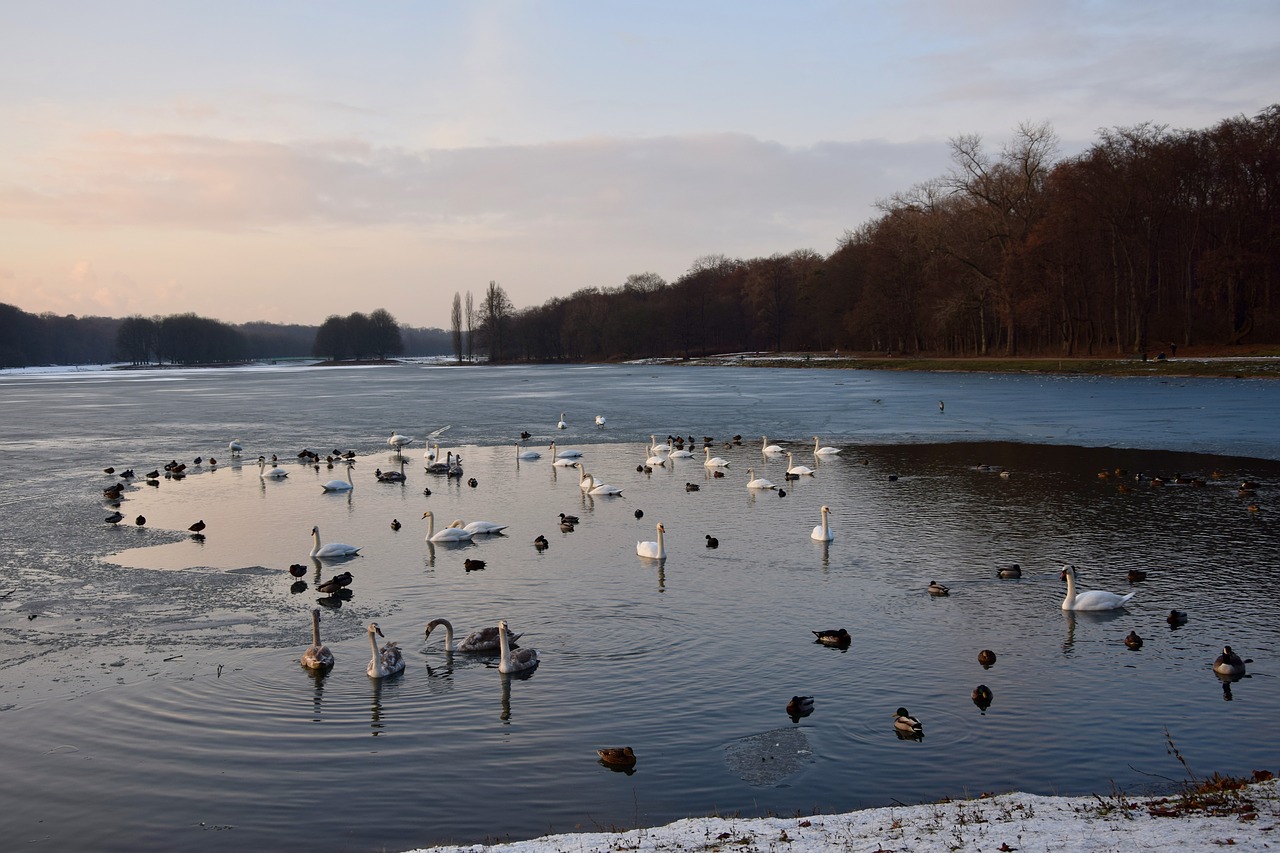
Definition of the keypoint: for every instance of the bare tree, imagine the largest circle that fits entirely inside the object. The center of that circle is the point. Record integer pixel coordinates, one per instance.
(456, 318)
(470, 314)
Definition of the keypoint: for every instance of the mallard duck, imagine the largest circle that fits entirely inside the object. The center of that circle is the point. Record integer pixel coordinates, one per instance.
(986, 657)
(981, 696)
(617, 756)
(1230, 663)
(1176, 617)
(1010, 571)
(297, 570)
(936, 588)
(1136, 575)
(473, 565)
(335, 583)
(540, 542)
(691, 487)
(318, 656)
(1133, 641)
(114, 518)
(395, 524)
(568, 519)
(386, 661)
(197, 527)
(833, 637)
(800, 706)
(907, 724)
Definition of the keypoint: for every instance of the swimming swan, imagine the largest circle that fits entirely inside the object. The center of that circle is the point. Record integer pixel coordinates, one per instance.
(654, 550)
(517, 660)
(479, 640)
(340, 485)
(475, 527)
(387, 661)
(275, 472)
(333, 549)
(819, 450)
(318, 656)
(526, 454)
(798, 470)
(714, 461)
(769, 449)
(449, 534)
(754, 482)
(1096, 599)
(822, 533)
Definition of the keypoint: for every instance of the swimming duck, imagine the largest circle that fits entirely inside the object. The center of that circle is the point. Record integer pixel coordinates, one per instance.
(1230, 663)
(395, 524)
(936, 588)
(1133, 641)
(1136, 575)
(570, 519)
(986, 657)
(1176, 617)
(907, 724)
(540, 542)
(833, 637)
(800, 706)
(617, 756)
(473, 565)
(981, 696)
(1010, 571)
(712, 542)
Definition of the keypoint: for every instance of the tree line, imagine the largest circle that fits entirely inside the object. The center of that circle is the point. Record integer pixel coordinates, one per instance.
(1151, 236)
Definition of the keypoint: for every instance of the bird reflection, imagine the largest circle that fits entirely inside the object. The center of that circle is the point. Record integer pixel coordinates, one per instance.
(318, 677)
(430, 559)
(662, 577)
(1226, 690)
(375, 707)
(826, 555)
(297, 587)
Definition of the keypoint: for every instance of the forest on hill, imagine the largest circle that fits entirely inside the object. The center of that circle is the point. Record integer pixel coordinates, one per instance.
(1149, 237)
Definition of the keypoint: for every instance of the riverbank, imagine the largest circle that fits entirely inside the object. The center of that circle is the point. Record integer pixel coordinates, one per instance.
(1217, 814)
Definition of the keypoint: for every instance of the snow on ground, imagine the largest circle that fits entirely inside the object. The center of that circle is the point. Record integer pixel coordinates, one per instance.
(1249, 820)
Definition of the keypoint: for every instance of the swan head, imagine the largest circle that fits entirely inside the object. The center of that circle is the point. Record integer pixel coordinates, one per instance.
(1068, 573)
(374, 629)
(826, 510)
(428, 514)
(315, 531)
(502, 626)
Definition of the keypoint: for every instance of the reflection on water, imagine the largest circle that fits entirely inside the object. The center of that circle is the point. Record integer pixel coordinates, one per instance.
(175, 661)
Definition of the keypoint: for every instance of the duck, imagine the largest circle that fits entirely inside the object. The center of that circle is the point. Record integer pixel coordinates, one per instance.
(479, 640)
(1136, 575)
(1177, 617)
(472, 565)
(833, 637)
(540, 542)
(484, 527)
(800, 470)
(986, 657)
(617, 756)
(1010, 571)
(714, 461)
(1093, 599)
(449, 534)
(1133, 641)
(333, 549)
(297, 570)
(800, 706)
(823, 532)
(335, 583)
(639, 513)
(395, 524)
(114, 518)
(140, 520)
(936, 588)
(568, 519)
(907, 724)
(769, 449)
(692, 487)
(386, 661)
(981, 696)
(1230, 663)
(516, 660)
(819, 450)
(712, 542)
(653, 550)
(318, 656)
(754, 482)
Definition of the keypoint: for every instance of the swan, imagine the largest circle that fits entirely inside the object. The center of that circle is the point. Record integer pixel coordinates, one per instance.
(819, 450)
(907, 724)
(655, 454)
(562, 424)
(599, 420)
(431, 453)
(479, 640)
(513, 661)
(798, 470)
(340, 485)
(235, 446)
(680, 454)
(769, 449)
(438, 466)
(449, 534)
(567, 453)
(398, 441)
(333, 549)
(592, 486)
(318, 656)
(391, 476)
(822, 533)
(526, 454)
(665, 447)
(1096, 599)
(273, 473)
(388, 660)
(754, 482)
(654, 550)
(484, 527)
(585, 481)
(714, 461)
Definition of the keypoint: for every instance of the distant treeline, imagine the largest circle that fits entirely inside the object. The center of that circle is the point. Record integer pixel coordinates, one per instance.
(1149, 237)
(28, 340)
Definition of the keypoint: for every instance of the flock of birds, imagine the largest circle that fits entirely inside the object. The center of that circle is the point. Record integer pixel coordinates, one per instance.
(388, 660)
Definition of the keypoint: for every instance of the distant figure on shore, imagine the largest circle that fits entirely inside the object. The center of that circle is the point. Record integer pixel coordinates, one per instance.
(942, 407)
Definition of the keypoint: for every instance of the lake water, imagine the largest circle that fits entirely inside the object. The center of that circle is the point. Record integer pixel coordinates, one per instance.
(151, 695)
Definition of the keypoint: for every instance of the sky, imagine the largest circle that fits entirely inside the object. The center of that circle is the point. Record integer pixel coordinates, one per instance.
(291, 160)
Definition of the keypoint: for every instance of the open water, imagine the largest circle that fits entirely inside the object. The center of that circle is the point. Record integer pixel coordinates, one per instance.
(151, 695)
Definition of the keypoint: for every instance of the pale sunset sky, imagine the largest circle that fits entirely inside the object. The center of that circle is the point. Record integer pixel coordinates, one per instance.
(285, 161)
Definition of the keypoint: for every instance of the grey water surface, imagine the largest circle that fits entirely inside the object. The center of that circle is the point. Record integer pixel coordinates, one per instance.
(150, 688)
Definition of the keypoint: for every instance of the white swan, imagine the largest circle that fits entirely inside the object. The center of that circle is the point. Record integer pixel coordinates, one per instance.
(822, 532)
(798, 470)
(1095, 599)
(475, 527)
(681, 454)
(714, 461)
(479, 640)
(653, 550)
(599, 420)
(388, 660)
(567, 453)
(275, 472)
(333, 549)
(585, 481)
(449, 534)
(340, 485)
(754, 482)
(819, 450)
(562, 424)
(655, 458)
(526, 454)
(769, 449)
(398, 441)
(235, 446)
(592, 486)
(517, 660)
(665, 447)
(318, 656)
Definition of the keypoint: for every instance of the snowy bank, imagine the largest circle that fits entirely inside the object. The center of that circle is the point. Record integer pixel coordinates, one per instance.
(1243, 819)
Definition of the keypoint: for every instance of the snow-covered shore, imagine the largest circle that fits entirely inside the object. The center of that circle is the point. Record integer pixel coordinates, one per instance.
(1248, 820)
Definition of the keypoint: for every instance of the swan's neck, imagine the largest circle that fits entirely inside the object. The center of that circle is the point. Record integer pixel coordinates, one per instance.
(431, 526)
(505, 650)
(1071, 591)
(661, 546)
(376, 663)
(315, 537)
(315, 628)
(824, 525)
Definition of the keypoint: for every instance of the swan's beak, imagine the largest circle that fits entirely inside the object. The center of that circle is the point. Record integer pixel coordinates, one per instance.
(427, 513)
(379, 631)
